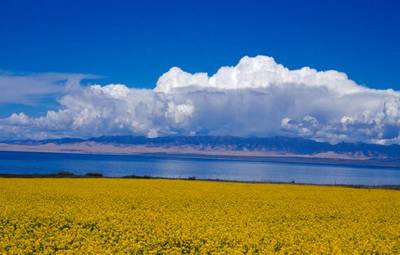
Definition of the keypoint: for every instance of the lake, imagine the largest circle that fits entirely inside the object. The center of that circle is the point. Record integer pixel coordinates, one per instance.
(201, 168)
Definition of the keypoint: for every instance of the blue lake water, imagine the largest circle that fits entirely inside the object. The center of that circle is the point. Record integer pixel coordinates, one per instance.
(202, 168)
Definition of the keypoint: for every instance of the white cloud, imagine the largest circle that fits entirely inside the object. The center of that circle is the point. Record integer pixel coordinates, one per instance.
(257, 97)
(29, 88)
(257, 72)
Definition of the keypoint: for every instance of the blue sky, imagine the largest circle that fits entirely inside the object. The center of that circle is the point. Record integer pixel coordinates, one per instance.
(134, 43)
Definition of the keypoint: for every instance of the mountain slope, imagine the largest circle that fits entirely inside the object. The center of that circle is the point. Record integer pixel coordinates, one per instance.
(282, 145)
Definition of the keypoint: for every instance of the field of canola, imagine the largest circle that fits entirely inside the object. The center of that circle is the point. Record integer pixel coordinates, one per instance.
(131, 216)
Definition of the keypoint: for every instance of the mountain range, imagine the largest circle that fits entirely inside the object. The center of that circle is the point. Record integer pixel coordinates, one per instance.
(286, 148)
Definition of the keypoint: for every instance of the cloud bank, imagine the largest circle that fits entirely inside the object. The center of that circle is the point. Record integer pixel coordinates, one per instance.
(257, 97)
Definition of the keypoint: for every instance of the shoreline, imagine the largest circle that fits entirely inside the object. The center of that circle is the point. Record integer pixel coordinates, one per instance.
(68, 175)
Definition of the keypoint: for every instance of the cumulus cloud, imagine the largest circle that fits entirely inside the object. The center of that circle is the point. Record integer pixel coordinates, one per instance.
(257, 97)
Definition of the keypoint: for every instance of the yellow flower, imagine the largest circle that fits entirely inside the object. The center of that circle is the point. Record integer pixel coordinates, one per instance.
(128, 216)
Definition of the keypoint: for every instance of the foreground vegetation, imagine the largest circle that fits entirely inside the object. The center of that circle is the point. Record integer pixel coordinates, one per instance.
(128, 216)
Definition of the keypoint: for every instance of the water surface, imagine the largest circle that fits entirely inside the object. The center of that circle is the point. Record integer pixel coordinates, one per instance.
(202, 168)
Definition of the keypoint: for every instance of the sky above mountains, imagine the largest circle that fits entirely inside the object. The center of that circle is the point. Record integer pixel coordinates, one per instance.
(73, 68)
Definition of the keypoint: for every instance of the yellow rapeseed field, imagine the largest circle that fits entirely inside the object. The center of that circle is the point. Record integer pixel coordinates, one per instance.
(132, 216)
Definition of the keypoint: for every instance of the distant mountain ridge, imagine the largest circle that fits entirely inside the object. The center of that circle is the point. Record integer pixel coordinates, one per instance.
(277, 144)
